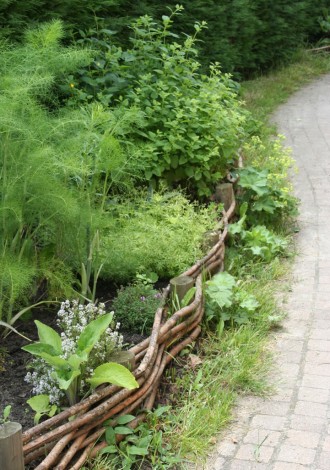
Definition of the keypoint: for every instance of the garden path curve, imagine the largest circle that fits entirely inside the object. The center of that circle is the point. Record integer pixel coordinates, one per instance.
(291, 429)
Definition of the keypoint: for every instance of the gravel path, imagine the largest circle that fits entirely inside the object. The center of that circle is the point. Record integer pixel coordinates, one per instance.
(291, 430)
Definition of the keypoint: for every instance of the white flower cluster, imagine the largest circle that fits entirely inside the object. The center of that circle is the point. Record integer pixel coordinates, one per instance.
(42, 381)
(72, 318)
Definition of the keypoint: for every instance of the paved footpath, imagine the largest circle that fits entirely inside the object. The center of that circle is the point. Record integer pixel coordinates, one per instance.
(291, 429)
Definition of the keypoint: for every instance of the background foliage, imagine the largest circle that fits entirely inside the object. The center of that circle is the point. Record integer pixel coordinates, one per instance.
(245, 36)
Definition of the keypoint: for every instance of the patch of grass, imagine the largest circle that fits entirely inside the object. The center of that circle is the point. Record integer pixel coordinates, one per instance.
(236, 363)
(264, 94)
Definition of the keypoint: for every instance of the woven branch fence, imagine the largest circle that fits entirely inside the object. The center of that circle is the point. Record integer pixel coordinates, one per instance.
(68, 439)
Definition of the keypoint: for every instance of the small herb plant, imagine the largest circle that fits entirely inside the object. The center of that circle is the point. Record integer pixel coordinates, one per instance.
(143, 445)
(228, 302)
(5, 414)
(259, 241)
(66, 363)
(42, 407)
(136, 304)
(264, 182)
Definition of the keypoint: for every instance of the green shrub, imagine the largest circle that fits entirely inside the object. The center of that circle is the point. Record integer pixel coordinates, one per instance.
(135, 306)
(194, 123)
(160, 234)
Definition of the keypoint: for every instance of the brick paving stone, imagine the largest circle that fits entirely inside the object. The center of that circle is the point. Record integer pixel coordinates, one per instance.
(316, 381)
(283, 394)
(254, 452)
(319, 333)
(219, 463)
(306, 423)
(318, 345)
(318, 357)
(317, 395)
(274, 408)
(245, 465)
(317, 369)
(262, 436)
(302, 438)
(324, 461)
(289, 466)
(296, 454)
(275, 423)
(309, 408)
(322, 314)
(226, 448)
(326, 444)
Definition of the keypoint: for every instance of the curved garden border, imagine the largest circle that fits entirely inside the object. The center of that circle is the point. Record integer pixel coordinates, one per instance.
(65, 440)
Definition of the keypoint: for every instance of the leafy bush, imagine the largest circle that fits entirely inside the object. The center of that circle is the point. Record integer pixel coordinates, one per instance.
(193, 124)
(244, 36)
(160, 233)
(135, 306)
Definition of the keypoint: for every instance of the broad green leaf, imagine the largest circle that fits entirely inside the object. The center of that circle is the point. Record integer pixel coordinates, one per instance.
(49, 336)
(250, 303)
(39, 403)
(37, 417)
(52, 411)
(64, 383)
(6, 412)
(161, 410)
(75, 361)
(91, 334)
(110, 436)
(220, 289)
(109, 450)
(134, 450)
(40, 349)
(265, 204)
(253, 179)
(110, 372)
(123, 430)
(125, 419)
(188, 297)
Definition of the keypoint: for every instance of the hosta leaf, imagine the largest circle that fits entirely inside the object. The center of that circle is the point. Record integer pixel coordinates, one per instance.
(41, 349)
(39, 403)
(91, 334)
(49, 336)
(110, 372)
(65, 383)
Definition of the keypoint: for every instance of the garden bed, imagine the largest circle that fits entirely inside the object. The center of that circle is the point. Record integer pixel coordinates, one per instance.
(68, 440)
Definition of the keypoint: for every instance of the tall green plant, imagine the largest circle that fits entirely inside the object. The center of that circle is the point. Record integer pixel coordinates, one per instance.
(56, 168)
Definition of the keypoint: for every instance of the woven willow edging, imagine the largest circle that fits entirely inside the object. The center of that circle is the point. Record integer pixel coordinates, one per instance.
(70, 437)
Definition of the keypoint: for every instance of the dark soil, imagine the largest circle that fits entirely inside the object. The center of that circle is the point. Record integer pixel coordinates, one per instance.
(13, 390)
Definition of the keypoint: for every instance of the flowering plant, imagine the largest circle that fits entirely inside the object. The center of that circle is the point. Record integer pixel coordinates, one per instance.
(65, 363)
